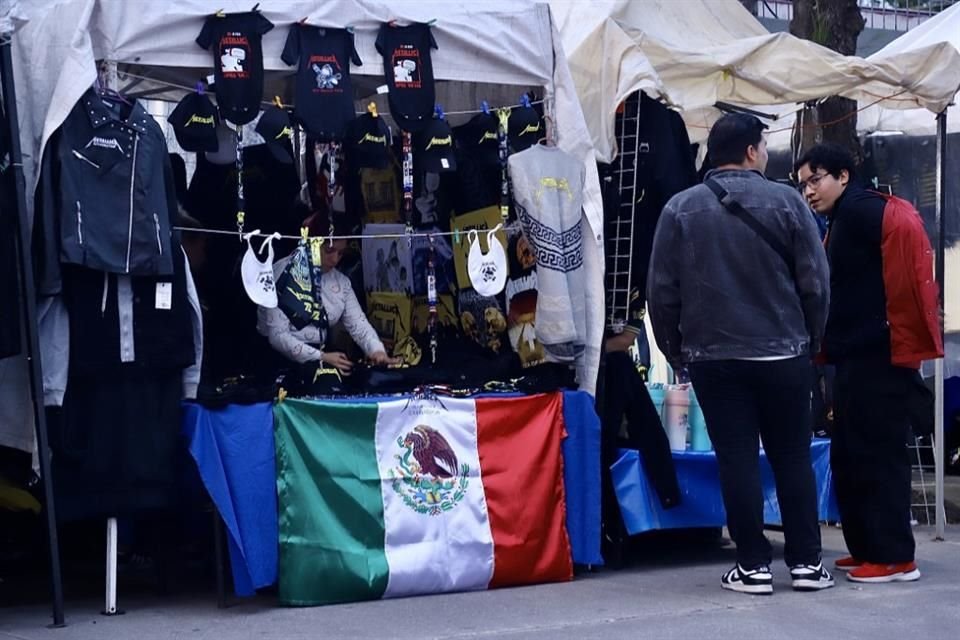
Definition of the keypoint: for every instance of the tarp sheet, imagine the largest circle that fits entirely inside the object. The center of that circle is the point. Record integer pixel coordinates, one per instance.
(701, 502)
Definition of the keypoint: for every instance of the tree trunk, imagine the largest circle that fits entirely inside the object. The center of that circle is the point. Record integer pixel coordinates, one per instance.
(835, 24)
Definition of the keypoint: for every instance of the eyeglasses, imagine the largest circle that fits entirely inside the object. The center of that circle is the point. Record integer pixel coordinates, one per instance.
(812, 182)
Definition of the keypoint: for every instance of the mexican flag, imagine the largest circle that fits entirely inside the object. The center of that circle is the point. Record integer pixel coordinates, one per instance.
(406, 497)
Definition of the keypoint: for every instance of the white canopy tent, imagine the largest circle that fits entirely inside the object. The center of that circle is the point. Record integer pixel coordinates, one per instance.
(714, 51)
(942, 28)
(507, 47)
(701, 52)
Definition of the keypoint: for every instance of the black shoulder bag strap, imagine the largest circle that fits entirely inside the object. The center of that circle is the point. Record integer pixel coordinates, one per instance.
(748, 218)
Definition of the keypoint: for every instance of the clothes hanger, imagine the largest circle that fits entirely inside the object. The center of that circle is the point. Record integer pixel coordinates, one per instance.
(547, 138)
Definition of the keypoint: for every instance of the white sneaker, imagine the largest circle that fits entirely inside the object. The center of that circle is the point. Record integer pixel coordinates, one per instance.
(758, 581)
(810, 577)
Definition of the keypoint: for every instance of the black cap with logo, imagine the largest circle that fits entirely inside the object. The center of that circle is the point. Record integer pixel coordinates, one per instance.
(480, 138)
(435, 152)
(368, 142)
(195, 122)
(525, 128)
(274, 127)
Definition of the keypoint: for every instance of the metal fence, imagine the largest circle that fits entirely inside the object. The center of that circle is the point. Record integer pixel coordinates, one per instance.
(891, 15)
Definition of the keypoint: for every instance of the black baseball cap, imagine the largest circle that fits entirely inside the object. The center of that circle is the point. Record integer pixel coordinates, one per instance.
(275, 129)
(435, 152)
(480, 138)
(368, 142)
(525, 128)
(195, 122)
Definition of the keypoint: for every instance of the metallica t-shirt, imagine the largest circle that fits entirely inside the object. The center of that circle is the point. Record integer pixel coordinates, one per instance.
(324, 95)
(409, 73)
(235, 40)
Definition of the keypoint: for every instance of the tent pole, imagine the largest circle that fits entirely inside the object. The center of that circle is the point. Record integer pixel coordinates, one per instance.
(938, 452)
(30, 320)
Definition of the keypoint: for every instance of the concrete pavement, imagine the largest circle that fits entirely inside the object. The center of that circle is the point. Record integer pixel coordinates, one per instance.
(667, 591)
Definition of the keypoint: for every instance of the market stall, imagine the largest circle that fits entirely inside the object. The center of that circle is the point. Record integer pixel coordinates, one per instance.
(422, 76)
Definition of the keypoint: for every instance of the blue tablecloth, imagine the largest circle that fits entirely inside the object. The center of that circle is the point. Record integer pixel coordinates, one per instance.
(702, 504)
(234, 452)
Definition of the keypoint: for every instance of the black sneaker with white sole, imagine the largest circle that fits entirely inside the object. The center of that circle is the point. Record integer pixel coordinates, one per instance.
(810, 577)
(758, 581)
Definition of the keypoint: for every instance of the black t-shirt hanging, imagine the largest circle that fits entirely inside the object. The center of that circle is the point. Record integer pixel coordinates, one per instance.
(409, 73)
(324, 94)
(237, 62)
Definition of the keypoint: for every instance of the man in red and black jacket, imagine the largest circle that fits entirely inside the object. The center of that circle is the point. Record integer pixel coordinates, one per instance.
(883, 322)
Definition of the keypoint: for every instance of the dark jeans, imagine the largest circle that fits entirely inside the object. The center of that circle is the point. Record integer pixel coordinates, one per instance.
(742, 402)
(870, 460)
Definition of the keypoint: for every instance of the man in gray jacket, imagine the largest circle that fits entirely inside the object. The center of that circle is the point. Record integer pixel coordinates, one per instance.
(738, 294)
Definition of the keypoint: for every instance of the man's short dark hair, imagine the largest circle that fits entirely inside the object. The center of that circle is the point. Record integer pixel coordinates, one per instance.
(828, 156)
(730, 137)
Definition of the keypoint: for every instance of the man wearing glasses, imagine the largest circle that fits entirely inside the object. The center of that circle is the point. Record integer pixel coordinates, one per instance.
(883, 322)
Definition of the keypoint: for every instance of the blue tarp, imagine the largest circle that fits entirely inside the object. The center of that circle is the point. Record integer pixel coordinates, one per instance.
(702, 504)
(234, 452)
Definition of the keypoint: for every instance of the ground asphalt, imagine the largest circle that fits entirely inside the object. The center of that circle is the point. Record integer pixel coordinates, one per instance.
(665, 590)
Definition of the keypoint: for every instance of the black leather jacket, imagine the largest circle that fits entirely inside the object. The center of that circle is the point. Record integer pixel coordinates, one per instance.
(106, 199)
(717, 291)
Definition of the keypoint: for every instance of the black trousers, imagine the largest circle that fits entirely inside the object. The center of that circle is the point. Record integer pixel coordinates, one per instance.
(870, 460)
(742, 402)
(626, 395)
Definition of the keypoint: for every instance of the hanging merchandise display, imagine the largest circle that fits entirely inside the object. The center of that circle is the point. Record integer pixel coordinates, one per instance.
(548, 194)
(241, 200)
(298, 296)
(525, 126)
(106, 198)
(503, 153)
(368, 141)
(482, 220)
(258, 276)
(435, 149)
(195, 120)
(409, 73)
(521, 300)
(487, 271)
(432, 300)
(236, 42)
(274, 127)
(407, 165)
(324, 94)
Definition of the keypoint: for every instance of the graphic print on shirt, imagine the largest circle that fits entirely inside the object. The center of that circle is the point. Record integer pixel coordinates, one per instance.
(328, 73)
(234, 49)
(406, 67)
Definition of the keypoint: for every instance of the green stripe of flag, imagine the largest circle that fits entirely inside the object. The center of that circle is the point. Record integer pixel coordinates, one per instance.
(329, 490)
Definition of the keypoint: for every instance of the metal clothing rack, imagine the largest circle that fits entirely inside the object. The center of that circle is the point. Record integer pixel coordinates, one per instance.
(620, 229)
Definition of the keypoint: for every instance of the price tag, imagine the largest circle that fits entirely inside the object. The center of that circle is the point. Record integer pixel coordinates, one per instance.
(383, 89)
(164, 297)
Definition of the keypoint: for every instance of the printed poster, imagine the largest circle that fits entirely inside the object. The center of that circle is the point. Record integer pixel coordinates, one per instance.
(387, 262)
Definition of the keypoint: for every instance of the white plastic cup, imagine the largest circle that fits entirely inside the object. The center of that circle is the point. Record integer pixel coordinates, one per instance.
(676, 416)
